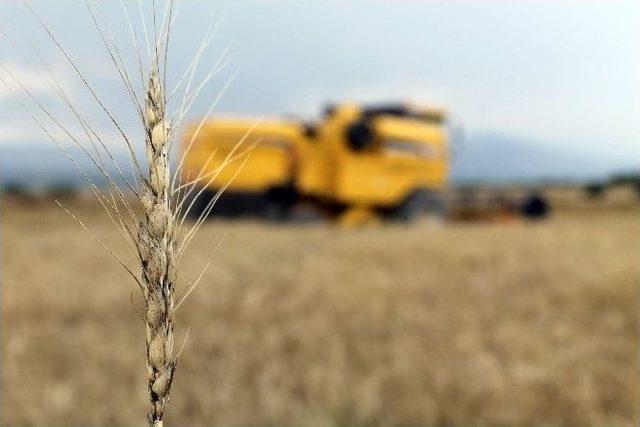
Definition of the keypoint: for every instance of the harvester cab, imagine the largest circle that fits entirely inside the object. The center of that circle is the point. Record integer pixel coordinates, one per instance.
(390, 159)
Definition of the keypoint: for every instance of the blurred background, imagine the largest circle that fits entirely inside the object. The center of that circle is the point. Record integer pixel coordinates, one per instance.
(515, 304)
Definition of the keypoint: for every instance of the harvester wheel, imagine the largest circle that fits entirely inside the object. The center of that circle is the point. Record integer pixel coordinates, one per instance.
(198, 205)
(535, 207)
(419, 203)
(278, 203)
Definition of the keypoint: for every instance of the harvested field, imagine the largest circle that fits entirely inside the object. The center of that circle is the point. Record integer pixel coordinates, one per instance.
(466, 324)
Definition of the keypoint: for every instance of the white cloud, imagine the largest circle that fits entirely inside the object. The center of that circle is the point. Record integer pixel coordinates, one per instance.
(31, 79)
(17, 125)
(17, 133)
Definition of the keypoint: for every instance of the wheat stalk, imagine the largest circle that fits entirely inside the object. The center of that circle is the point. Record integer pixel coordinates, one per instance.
(160, 237)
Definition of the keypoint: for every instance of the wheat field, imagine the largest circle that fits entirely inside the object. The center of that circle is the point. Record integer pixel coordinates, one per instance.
(310, 325)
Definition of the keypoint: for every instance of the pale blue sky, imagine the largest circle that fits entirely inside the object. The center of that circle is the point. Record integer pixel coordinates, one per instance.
(565, 73)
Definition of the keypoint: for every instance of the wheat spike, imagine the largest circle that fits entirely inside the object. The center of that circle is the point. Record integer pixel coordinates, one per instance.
(157, 244)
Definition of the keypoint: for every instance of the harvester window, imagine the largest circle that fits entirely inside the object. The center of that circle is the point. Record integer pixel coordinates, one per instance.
(398, 147)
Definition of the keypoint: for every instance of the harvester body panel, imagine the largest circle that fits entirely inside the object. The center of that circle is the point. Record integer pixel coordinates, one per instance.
(243, 155)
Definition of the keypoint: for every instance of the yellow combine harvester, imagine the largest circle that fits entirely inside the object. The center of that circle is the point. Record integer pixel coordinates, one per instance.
(355, 164)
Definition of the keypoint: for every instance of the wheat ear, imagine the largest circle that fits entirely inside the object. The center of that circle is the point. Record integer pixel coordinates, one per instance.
(157, 245)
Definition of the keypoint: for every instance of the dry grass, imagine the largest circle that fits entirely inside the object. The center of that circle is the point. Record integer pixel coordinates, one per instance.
(470, 324)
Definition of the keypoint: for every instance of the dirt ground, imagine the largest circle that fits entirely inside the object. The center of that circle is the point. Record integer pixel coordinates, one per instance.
(463, 324)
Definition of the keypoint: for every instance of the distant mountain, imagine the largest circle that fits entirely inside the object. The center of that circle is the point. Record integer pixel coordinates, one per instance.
(487, 157)
(41, 165)
(495, 157)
